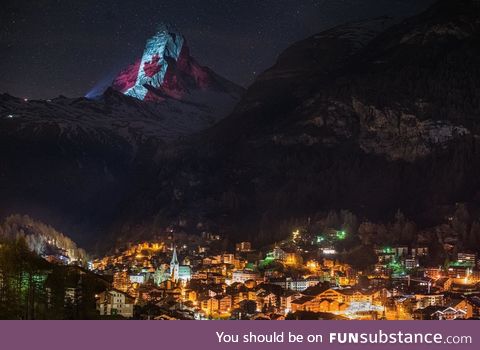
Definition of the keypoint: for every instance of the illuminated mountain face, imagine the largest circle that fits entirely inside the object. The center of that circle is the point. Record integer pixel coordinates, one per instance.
(165, 70)
(96, 141)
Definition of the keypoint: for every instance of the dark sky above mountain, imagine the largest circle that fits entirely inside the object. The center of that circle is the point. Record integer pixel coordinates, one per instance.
(52, 47)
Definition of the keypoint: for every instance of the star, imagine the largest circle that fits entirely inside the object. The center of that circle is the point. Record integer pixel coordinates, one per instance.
(234, 38)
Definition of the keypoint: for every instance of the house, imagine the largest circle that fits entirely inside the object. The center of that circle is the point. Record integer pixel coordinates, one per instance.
(316, 304)
(244, 275)
(247, 307)
(347, 295)
(266, 300)
(298, 285)
(461, 305)
(211, 305)
(243, 247)
(225, 303)
(474, 301)
(115, 302)
(427, 313)
(432, 299)
(456, 309)
(467, 259)
(443, 283)
(287, 299)
(400, 251)
(419, 251)
(240, 296)
(305, 303)
(287, 256)
(449, 313)
(334, 300)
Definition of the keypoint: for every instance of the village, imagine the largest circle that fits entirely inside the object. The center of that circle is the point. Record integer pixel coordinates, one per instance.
(180, 276)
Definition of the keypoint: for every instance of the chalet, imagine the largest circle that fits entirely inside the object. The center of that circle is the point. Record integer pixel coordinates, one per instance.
(449, 313)
(315, 304)
(115, 302)
(454, 310)
(443, 283)
(432, 299)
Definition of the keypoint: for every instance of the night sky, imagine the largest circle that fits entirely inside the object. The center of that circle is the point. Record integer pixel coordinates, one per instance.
(53, 47)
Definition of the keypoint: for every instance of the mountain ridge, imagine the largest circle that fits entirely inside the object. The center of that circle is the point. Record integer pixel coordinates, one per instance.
(69, 161)
(369, 135)
(361, 117)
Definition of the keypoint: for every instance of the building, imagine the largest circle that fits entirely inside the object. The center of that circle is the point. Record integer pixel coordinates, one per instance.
(286, 300)
(474, 302)
(244, 275)
(114, 302)
(316, 304)
(210, 306)
(247, 307)
(225, 303)
(332, 300)
(385, 255)
(174, 266)
(449, 313)
(179, 272)
(424, 300)
(419, 251)
(218, 304)
(266, 300)
(347, 295)
(427, 313)
(411, 263)
(240, 296)
(279, 254)
(161, 274)
(400, 251)
(458, 271)
(184, 273)
(456, 309)
(304, 303)
(298, 285)
(432, 272)
(121, 281)
(243, 247)
(140, 278)
(443, 283)
(467, 259)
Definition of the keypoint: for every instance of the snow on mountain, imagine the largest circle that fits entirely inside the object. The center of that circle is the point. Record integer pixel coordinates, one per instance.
(165, 95)
(166, 70)
(352, 118)
(69, 161)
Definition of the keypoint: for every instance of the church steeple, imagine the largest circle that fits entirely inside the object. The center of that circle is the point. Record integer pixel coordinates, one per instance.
(174, 265)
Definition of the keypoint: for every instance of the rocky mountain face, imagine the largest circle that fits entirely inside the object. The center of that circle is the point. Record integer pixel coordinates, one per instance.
(70, 161)
(372, 117)
(166, 71)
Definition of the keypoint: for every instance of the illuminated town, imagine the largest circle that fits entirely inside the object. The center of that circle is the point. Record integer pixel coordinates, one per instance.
(183, 276)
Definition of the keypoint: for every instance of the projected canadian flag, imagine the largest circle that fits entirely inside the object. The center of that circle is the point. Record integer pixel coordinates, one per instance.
(165, 70)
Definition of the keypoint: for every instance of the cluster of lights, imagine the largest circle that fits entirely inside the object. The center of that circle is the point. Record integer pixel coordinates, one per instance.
(356, 307)
(396, 267)
(295, 234)
(341, 235)
(312, 265)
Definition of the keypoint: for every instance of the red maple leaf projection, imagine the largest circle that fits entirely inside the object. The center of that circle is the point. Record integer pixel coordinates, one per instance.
(127, 77)
(151, 68)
